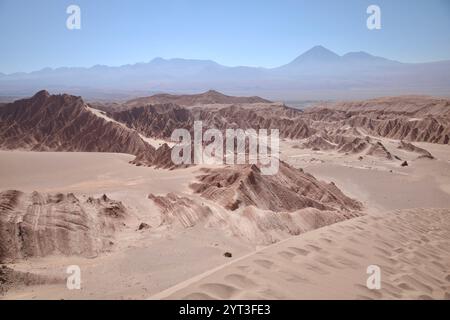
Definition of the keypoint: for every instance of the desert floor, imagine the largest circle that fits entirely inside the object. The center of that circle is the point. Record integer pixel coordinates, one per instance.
(381, 184)
(411, 246)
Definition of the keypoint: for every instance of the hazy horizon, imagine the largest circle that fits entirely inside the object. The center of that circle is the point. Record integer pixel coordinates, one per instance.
(230, 33)
(154, 59)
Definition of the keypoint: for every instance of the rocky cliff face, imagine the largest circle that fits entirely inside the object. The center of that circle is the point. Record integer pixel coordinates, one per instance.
(290, 189)
(289, 122)
(159, 121)
(209, 97)
(412, 148)
(417, 118)
(156, 121)
(404, 118)
(37, 225)
(63, 123)
(262, 209)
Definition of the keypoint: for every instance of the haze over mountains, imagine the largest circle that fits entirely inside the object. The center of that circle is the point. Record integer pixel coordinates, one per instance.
(316, 74)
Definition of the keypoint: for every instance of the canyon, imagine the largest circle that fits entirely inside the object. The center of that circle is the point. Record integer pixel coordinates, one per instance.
(93, 184)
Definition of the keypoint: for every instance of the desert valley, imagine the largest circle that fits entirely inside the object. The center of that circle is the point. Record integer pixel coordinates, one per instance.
(92, 184)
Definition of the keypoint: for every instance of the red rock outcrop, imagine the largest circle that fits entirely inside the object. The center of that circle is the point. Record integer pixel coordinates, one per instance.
(209, 97)
(412, 148)
(159, 121)
(63, 123)
(290, 189)
(262, 209)
(413, 118)
(37, 225)
(379, 150)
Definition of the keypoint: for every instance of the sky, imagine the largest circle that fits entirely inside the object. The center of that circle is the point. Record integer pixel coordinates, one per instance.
(266, 33)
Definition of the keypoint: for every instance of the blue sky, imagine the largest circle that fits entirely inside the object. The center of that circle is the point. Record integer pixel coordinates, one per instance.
(264, 33)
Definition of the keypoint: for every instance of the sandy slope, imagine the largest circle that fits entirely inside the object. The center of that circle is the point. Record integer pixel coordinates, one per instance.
(381, 184)
(166, 255)
(412, 248)
(161, 256)
(194, 215)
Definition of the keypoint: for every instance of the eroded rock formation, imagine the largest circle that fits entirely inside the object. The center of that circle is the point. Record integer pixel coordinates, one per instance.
(37, 225)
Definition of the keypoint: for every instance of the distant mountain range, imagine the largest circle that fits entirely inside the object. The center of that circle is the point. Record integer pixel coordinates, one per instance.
(316, 74)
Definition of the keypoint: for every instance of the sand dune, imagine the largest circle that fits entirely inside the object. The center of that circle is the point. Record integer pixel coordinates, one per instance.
(337, 163)
(412, 248)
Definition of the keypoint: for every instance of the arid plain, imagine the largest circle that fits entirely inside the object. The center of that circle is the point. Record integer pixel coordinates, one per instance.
(360, 183)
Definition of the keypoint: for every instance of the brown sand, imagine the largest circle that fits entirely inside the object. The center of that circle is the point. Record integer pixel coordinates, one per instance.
(165, 256)
(379, 183)
(412, 248)
(189, 230)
